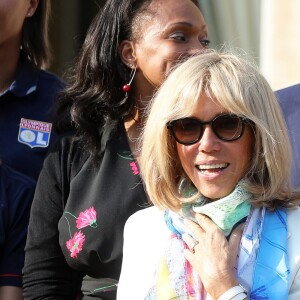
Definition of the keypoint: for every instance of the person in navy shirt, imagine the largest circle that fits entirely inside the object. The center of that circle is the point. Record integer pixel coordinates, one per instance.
(27, 92)
(289, 100)
(16, 193)
(27, 95)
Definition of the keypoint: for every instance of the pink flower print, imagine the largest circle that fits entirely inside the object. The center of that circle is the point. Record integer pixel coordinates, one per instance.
(75, 244)
(134, 168)
(87, 218)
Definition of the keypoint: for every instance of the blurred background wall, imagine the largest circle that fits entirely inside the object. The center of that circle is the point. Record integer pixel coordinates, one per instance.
(68, 25)
(268, 31)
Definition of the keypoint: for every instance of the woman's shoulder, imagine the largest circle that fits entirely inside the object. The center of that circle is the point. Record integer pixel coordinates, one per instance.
(293, 225)
(293, 213)
(149, 217)
(143, 247)
(66, 144)
(147, 213)
(65, 157)
(148, 223)
(293, 220)
(69, 152)
(51, 79)
(143, 228)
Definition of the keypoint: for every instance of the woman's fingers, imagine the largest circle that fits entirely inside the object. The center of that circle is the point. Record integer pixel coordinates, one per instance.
(205, 224)
(191, 242)
(209, 254)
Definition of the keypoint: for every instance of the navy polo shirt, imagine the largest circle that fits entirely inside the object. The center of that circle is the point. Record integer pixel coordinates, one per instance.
(16, 193)
(26, 115)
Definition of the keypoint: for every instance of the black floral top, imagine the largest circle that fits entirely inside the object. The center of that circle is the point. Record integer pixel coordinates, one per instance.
(75, 238)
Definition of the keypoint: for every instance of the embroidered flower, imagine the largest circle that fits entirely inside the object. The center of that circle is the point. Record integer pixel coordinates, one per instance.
(87, 218)
(75, 243)
(134, 168)
(133, 164)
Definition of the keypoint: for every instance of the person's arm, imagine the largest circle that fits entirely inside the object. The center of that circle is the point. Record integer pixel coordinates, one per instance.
(213, 257)
(129, 285)
(16, 192)
(10, 293)
(143, 229)
(46, 273)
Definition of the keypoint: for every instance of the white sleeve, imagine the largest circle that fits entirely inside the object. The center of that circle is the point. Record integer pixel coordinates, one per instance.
(144, 237)
(128, 265)
(293, 224)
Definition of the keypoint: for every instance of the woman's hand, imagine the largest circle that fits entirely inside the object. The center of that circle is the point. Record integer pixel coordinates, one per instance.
(213, 257)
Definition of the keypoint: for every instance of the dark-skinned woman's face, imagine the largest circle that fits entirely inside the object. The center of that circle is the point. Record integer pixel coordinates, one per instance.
(170, 29)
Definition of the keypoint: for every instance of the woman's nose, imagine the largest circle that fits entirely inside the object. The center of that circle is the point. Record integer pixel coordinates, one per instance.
(209, 142)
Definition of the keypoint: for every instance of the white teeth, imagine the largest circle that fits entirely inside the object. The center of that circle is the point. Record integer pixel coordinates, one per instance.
(216, 166)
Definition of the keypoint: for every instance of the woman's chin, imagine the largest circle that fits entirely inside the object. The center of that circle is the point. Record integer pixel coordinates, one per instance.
(215, 192)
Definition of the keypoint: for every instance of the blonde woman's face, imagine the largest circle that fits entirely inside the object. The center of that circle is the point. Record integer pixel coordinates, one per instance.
(213, 165)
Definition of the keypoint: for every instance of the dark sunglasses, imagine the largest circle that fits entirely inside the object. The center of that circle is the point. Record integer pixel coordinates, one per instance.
(226, 127)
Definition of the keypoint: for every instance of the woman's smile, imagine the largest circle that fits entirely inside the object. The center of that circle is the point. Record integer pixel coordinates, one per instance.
(210, 171)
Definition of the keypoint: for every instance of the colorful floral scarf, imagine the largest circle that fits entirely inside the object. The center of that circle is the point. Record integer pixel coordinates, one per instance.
(262, 265)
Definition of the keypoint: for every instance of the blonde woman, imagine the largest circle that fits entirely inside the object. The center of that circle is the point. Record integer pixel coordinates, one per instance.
(216, 164)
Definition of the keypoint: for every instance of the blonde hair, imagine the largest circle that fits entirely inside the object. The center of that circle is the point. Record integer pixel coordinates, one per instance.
(237, 85)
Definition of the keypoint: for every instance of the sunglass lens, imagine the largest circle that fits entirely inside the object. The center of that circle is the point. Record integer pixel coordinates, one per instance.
(228, 128)
(187, 131)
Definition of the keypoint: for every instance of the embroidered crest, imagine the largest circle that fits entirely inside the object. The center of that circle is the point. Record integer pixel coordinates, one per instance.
(34, 133)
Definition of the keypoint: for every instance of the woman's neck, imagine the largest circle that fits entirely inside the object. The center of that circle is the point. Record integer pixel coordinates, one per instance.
(9, 59)
(135, 121)
(133, 126)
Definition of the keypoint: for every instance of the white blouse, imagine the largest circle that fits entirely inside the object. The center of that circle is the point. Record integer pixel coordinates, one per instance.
(147, 227)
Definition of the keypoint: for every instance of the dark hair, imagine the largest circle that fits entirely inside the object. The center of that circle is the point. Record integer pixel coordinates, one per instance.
(35, 35)
(95, 96)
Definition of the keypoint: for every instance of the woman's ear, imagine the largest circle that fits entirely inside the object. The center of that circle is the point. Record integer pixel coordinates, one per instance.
(127, 53)
(32, 6)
